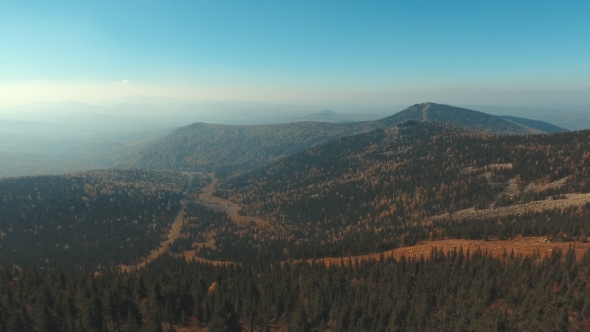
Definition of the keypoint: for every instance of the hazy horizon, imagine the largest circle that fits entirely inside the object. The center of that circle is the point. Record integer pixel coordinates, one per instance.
(82, 84)
(326, 54)
(305, 107)
(268, 165)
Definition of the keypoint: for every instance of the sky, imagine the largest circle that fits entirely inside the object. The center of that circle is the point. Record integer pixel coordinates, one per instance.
(369, 53)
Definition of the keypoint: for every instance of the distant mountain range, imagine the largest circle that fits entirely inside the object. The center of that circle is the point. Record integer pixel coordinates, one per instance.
(45, 138)
(210, 147)
(336, 117)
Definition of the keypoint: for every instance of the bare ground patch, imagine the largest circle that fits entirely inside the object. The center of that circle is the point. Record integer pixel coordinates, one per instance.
(540, 187)
(191, 255)
(487, 168)
(207, 199)
(525, 246)
(232, 209)
(174, 234)
(517, 209)
(424, 112)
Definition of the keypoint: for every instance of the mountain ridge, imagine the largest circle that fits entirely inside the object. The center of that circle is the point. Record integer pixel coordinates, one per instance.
(413, 178)
(459, 117)
(211, 147)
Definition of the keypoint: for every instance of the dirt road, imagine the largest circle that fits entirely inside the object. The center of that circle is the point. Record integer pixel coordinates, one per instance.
(232, 209)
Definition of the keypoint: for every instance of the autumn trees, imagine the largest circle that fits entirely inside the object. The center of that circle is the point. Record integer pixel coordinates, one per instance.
(89, 219)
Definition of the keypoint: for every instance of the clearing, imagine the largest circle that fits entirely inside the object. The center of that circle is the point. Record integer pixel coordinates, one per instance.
(191, 255)
(172, 236)
(209, 200)
(232, 209)
(424, 110)
(570, 200)
(175, 233)
(525, 246)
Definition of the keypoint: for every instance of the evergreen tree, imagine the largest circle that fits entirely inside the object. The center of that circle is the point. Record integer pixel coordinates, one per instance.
(298, 321)
(224, 317)
(16, 324)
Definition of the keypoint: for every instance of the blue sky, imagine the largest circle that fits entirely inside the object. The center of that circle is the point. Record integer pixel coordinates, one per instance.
(296, 51)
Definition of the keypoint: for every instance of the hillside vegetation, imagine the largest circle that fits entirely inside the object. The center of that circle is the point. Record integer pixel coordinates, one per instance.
(210, 147)
(427, 220)
(86, 219)
(378, 190)
(455, 291)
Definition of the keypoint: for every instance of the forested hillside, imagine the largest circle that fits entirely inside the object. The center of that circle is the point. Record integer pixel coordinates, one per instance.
(457, 291)
(86, 219)
(203, 146)
(391, 187)
(137, 250)
(209, 147)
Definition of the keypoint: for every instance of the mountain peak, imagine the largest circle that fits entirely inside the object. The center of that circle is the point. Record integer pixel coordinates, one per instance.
(327, 112)
(459, 117)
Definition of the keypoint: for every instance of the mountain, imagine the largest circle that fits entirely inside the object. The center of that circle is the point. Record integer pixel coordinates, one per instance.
(210, 147)
(50, 138)
(459, 117)
(417, 181)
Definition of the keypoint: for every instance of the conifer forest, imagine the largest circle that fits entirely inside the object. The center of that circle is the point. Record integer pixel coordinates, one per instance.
(303, 231)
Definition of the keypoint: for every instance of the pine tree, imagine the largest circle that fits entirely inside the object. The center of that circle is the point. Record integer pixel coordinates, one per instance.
(298, 321)
(153, 325)
(224, 317)
(183, 317)
(16, 324)
(43, 319)
(586, 309)
(131, 325)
